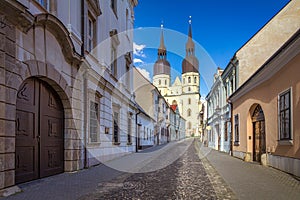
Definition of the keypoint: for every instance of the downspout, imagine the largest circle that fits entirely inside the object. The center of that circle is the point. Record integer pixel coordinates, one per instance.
(136, 130)
(85, 83)
(231, 119)
(85, 121)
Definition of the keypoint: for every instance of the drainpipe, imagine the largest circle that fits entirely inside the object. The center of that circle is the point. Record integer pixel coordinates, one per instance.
(136, 130)
(231, 119)
(85, 104)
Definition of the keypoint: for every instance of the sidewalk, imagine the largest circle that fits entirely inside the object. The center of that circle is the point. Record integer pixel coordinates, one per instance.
(252, 180)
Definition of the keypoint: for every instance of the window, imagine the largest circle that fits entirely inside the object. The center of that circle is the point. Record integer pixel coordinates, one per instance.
(147, 134)
(144, 133)
(113, 6)
(189, 101)
(128, 76)
(195, 80)
(189, 80)
(129, 131)
(285, 115)
(159, 82)
(116, 128)
(236, 130)
(225, 131)
(165, 82)
(189, 112)
(183, 80)
(114, 61)
(127, 21)
(91, 33)
(189, 89)
(189, 125)
(94, 122)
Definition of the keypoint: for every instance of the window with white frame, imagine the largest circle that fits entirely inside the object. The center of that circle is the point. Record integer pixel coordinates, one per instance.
(129, 131)
(284, 109)
(113, 5)
(236, 130)
(94, 121)
(226, 131)
(114, 61)
(116, 129)
(91, 39)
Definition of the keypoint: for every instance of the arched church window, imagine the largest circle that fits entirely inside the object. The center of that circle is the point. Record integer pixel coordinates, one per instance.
(189, 112)
(189, 101)
(195, 80)
(189, 125)
(174, 102)
(183, 80)
(159, 82)
(165, 82)
(189, 80)
(189, 89)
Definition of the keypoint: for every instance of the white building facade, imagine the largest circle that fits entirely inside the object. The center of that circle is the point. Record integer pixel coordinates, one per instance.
(218, 116)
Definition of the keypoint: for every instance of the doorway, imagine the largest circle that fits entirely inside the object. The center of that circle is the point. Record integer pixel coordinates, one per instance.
(39, 131)
(259, 136)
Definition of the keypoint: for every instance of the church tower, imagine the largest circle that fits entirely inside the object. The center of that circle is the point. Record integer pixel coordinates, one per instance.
(161, 69)
(190, 66)
(190, 97)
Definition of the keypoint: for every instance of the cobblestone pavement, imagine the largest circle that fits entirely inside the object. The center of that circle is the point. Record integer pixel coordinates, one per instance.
(186, 178)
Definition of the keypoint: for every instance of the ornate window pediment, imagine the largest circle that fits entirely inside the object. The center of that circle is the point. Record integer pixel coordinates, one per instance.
(94, 6)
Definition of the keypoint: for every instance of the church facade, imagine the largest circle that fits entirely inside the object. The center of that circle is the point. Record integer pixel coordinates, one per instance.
(184, 92)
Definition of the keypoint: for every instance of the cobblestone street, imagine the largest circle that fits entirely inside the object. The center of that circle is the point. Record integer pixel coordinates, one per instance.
(186, 178)
(178, 170)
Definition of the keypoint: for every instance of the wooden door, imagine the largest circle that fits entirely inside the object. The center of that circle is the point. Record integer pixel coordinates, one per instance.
(51, 132)
(259, 136)
(27, 133)
(39, 132)
(259, 145)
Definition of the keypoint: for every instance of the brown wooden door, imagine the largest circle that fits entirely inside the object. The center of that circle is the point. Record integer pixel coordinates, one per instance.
(39, 132)
(259, 144)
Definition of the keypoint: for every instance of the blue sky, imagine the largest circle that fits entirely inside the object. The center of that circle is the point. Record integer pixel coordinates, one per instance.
(220, 28)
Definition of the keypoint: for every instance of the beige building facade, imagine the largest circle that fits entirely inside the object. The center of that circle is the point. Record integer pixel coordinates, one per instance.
(266, 111)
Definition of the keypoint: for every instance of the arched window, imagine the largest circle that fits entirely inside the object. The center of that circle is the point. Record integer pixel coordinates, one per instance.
(189, 125)
(183, 80)
(189, 80)
(195, 80)
(174, 102)
(159, 82)
(189, 101)
(165, 82)
(189, 89)
(189, 112)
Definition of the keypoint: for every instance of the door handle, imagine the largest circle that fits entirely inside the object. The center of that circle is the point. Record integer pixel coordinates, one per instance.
(38, 138)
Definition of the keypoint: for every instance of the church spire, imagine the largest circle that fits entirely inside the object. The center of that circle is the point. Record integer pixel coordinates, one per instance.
(190, 63)
(162, 50)
(190, 45)
(161, 66)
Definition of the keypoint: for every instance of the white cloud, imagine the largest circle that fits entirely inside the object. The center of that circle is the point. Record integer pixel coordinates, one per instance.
(138, 50)
(137, 60)
(145, 73)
